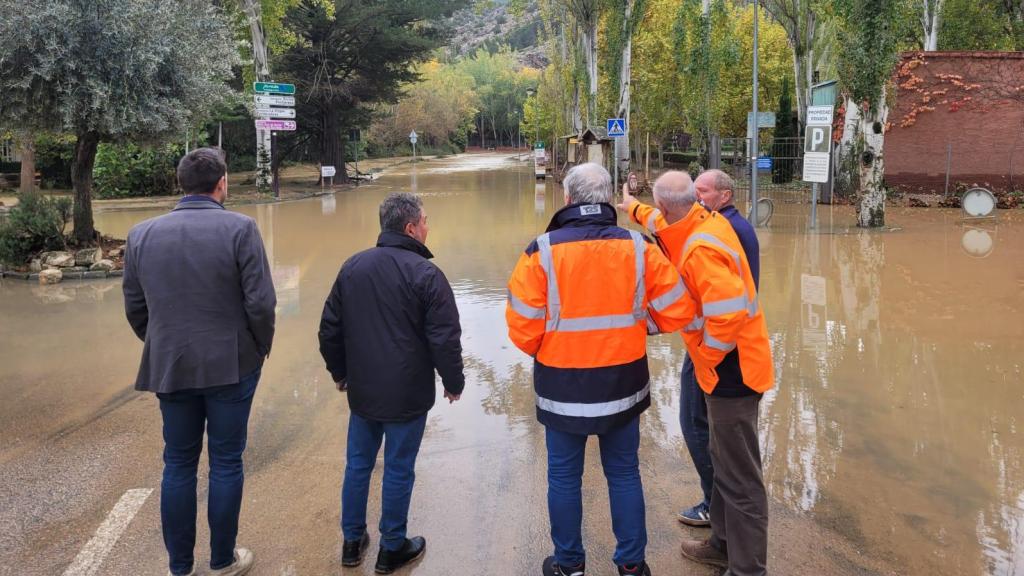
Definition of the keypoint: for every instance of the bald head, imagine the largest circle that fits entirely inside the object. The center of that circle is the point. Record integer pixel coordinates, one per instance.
(674, 195)
(715, 189)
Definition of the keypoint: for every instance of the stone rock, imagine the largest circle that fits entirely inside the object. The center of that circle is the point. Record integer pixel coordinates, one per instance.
(59, 259)
(115, 253)
(36, 265)
(102, 265)
(73, 275)
(95, 274)
(115, 274)
(73, 269)
(918, 203)
(88, 256)
(51, 277)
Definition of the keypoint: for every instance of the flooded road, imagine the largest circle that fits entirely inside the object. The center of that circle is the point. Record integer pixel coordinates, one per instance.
(891, 443)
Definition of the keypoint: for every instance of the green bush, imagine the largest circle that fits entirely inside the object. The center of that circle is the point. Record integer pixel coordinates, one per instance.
(54, 155)
(128, 171)
(34, 225)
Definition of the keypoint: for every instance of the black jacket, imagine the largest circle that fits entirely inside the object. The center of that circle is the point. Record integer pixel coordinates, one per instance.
(388, 323)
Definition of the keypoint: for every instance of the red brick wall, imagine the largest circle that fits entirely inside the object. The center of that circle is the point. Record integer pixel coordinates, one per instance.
(981, 115)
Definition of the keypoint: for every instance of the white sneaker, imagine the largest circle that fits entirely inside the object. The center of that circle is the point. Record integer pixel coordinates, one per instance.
(242, 564)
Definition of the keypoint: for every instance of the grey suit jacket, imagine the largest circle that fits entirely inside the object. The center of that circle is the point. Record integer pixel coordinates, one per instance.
(198, 292)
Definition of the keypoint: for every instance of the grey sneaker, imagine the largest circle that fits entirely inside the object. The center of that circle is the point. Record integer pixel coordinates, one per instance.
(702, 551)
(242, 564)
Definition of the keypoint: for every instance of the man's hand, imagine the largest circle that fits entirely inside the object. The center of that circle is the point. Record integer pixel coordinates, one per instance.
(341, 385)
(627, 198)
(452, 398)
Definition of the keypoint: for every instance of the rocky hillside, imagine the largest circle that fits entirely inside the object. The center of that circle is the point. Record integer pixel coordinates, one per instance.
(490, 24)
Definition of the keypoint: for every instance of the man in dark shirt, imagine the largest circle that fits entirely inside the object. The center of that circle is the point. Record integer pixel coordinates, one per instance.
(388, 324)
(715, 191)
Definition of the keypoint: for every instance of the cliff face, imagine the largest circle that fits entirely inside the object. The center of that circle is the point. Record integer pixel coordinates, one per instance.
(490, 24)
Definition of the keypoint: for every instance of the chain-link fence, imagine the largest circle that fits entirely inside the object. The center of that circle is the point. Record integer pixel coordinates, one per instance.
(780, 161)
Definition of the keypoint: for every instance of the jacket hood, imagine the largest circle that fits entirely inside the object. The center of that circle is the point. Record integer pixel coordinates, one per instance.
(389, 239)
(583, 214)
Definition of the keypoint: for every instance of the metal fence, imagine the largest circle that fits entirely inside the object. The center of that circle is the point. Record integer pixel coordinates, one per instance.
(779, 173)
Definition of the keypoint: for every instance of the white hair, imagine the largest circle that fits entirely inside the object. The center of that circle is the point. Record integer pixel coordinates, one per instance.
(588, 184)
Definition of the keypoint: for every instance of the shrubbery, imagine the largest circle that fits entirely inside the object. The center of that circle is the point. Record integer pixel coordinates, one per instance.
(126, 170)
(34, 225)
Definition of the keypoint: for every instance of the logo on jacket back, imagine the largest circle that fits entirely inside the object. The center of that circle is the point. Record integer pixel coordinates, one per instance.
(590, 210)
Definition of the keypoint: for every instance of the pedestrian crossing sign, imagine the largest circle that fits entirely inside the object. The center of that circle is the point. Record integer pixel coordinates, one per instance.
(616, 127)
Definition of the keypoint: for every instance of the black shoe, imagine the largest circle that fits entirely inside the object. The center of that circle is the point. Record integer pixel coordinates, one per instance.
(388, 561)
(552, 568)
(641, 569)
(353, 551)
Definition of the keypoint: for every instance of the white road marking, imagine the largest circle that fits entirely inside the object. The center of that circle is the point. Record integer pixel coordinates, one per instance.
(95, 552)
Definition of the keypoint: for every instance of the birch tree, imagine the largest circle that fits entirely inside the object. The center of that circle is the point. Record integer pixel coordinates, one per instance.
(253, 11)
(623, 17)
(870, 47)
(931, 16)
(801, 22)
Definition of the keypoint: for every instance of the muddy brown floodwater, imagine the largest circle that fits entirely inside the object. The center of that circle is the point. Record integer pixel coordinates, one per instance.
(892, 444)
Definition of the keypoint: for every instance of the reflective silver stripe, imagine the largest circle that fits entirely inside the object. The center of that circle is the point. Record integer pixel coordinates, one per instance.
(639, 249)
(752, 307)
(555, 321)
(697, 324)
(596, 410)
(727, 306)
(714, 240)
(593, 323)
(652, 221)
(523, 309)
(716, 343)
(669, 298)
(546, 262)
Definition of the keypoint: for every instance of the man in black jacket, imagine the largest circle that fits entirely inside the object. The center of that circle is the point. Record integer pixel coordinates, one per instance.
(388, 323)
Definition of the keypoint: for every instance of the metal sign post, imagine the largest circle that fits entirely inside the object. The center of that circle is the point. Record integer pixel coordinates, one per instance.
(616, 129)
(272, 100)
(753, 141)
(412, 138)
(817, 152)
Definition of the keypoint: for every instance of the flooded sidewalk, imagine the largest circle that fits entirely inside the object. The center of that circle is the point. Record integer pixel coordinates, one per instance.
(891, 443)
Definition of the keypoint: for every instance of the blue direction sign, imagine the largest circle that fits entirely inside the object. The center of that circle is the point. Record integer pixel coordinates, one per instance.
(764, 163)
(273, 88)
(616, 127)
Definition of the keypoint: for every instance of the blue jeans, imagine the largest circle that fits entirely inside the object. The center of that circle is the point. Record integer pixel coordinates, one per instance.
(224, 413)
(693, 418)
(621, 462)
(400, 449)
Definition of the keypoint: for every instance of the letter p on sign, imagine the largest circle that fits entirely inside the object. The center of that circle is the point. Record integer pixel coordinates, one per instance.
(817, 138)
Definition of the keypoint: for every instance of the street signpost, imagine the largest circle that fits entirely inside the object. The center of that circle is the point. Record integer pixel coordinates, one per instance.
(616, 129)
(325, 173)
(273, 100)
(273, 88)
(817, 152)
(282, 125)
(413, 138)
(264, 112)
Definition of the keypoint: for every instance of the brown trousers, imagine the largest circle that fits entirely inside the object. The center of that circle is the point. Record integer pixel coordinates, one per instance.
(739, 502)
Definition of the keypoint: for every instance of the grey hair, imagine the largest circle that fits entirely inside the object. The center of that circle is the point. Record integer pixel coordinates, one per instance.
(588, 184)
(675, 198)
(399, 209)
(722, 181)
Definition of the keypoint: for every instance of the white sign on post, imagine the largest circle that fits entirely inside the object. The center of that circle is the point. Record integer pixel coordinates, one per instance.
(273, 100)
(818, 144)
(413, 137)
(327, 171)
(275, 112)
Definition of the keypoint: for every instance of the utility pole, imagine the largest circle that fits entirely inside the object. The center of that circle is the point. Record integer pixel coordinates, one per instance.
(753, 143)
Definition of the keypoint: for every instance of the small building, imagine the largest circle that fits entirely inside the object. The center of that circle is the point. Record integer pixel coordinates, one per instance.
(956, 113)
(591, 145)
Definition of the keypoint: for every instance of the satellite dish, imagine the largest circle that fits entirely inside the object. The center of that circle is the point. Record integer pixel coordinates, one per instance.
(978, 203)
(977, 243)
(765, 211)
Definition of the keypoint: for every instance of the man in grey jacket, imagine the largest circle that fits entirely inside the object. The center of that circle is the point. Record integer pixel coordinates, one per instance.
(198, 292)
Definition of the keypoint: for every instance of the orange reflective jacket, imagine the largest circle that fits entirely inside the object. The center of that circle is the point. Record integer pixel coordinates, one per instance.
(581, 301)
(708, 254)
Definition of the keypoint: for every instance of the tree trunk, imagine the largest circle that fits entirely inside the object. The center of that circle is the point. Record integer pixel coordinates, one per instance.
(28, 163)
(625, 72)
(588, 37)
(802, 87)
(81, 178)
(931, 16)
(332, 149)
(871, 140)
(253, 12)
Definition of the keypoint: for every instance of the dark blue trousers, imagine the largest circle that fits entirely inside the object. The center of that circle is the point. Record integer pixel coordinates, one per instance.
(224, 414)
(621, 463)
(693, 418)
(401, 446)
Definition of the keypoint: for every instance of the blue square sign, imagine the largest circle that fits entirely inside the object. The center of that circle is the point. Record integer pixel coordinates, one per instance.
(616, 127)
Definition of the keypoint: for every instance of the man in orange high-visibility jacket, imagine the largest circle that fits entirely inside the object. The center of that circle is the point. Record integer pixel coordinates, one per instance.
(717, 275)
(580, 302)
